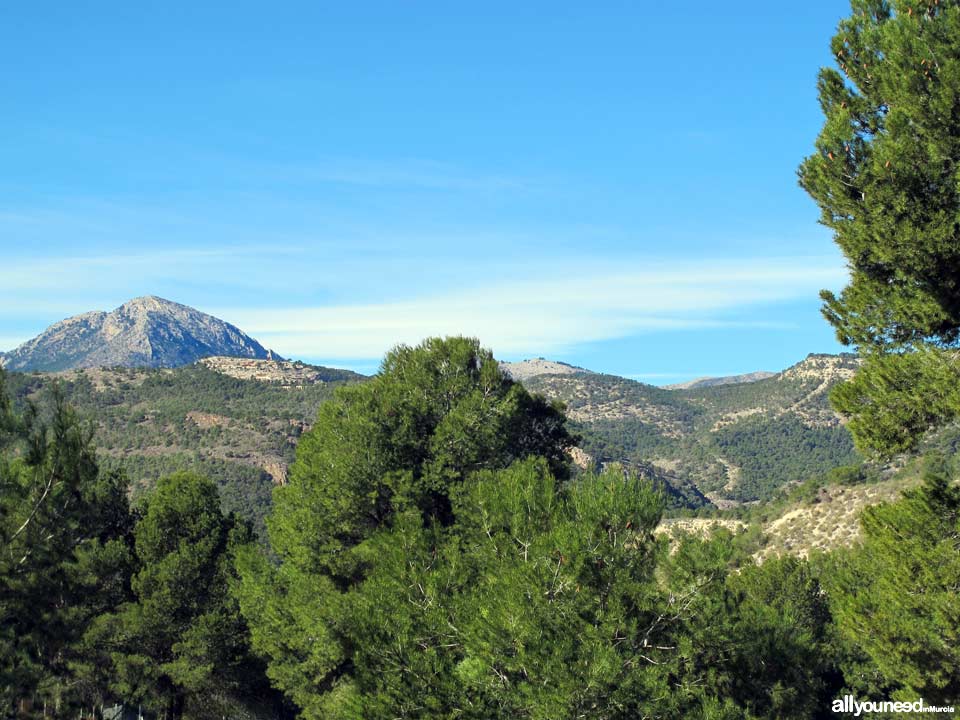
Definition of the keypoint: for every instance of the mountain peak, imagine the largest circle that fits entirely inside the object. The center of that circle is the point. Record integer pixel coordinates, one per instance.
(822, 365)
(526, 369)
(713, 381)
(150, 302)
(147, 331)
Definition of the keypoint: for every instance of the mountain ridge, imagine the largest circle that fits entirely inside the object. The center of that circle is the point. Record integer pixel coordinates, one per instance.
(736, 443)
(147, 331)
(239, 420)
(713, 381)
(533, 367)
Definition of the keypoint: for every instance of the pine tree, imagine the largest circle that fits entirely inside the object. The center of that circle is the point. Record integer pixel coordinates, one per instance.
(64, 555)
(395, 447)
(180, 645)
(896, 596)
(435, 561)
(886, 177)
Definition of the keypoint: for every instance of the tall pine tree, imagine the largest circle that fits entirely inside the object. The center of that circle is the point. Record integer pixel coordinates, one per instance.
(886, 175)
(180, 646)
(64, 556)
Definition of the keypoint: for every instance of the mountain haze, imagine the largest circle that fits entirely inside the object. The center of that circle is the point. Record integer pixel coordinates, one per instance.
(144, 332)
(702, 382)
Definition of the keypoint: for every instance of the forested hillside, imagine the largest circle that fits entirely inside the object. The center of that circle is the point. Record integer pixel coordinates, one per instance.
(238, 421)
(240, 432)
(735, 443)
(433, 554)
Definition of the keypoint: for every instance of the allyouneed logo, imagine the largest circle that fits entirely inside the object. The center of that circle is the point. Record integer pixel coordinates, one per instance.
(848, 705)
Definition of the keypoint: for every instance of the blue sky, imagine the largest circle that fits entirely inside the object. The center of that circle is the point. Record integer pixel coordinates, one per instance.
(610, 184)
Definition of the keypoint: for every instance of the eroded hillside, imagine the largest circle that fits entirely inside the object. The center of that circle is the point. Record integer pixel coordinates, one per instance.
(234, 420)
(239, 419)
(736, 442)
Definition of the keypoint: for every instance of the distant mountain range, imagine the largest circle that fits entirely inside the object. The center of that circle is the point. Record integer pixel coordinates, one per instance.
(145, 332)
(724, 443)
(720, 441)
(703, 382)
(171, 388)
(535, 367)
(150, 332)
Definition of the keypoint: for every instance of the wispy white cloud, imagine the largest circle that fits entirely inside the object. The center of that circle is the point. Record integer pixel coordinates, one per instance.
(546, 316)
(359, 304)
(83, 271)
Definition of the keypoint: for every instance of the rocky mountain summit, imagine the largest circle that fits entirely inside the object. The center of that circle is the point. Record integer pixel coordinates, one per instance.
(526, 369)
(144, 332)
(285, 373)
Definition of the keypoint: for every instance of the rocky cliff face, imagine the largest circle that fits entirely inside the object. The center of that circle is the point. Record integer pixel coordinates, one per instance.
(144, 332)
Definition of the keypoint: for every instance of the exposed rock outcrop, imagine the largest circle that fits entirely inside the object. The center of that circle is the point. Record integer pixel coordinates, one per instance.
(144, 332)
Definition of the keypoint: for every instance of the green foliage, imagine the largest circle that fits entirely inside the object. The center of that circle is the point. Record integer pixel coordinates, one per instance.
(64, 555)
(886, 179)
(896, 398)
(243, 489)
(427, 569)
(771, 453)
(396, 447)
(762, 640)
(544, 603)
(557, 593)
(625, 439)
(896, 596)
(434, 414)
(143, 425)
(180, 646)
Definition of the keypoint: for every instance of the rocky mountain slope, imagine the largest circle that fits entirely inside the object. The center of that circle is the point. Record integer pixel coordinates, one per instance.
(526, 369)
(144, 332)
(238, 420)
(234, 420)
(282, 372)
(734, 443)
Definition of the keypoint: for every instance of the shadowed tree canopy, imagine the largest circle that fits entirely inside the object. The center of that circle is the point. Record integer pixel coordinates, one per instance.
(886, 177)
(180, 646)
